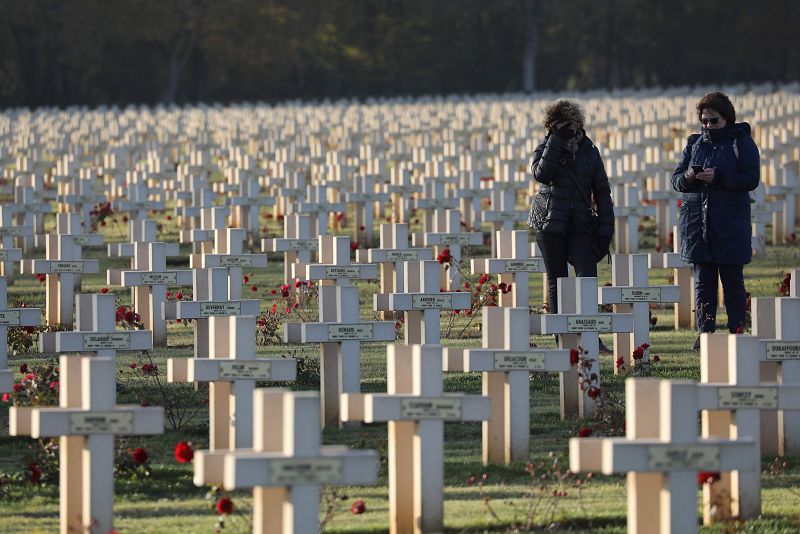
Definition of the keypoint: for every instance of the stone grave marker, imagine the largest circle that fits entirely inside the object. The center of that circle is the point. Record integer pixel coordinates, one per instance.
(149, 281)
(578, 324)
(449, 236)
(503, 214)
(211, 299)
(202, 239)
(506, 361)
(732, 398)
(365, 197)
(88, 418)
(393, 252)
(514, 265)
(422, 302)
(229, 254)
(62, 270)
(416, 408)
(287, 464)
(631, 292)
(8, 233)
(665, 502)
(231, 369)
(297, 244)
(776, 321)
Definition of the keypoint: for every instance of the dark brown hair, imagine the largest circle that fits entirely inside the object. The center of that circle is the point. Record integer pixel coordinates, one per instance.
(562, 110)
(720, 103)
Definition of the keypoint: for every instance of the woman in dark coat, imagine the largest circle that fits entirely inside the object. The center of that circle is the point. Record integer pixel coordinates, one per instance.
(719, 167)
(570, 169)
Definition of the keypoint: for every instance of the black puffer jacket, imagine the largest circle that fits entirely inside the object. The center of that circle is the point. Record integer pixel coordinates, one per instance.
(559, 200)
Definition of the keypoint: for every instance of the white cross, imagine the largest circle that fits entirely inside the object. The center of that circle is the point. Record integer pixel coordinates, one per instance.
(287, 464)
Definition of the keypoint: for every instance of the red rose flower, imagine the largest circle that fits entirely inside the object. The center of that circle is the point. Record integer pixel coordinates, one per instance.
(23, 369)
(593, 393)
(36, 472)
(18, 388)
(246, 279)
(358, 507)
(179, 295)
(573, 357)
(707, 477)
(183, 452)
(139, 455)
(638, 353)
(585, 432)
(104, 290)
(253, 288)
(225, 506)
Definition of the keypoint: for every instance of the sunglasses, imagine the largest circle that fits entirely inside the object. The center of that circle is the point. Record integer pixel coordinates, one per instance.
(706, 121)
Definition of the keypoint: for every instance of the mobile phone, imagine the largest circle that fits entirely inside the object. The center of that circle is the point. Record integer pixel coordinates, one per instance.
(697, 169)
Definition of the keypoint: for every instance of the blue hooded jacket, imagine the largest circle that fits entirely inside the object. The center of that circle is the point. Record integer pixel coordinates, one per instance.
(715, 218)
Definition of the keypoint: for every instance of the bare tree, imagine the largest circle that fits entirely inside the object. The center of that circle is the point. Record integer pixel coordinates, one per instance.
(530, 44)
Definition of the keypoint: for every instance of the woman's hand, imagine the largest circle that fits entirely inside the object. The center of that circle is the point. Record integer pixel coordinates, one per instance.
(564, 130)
(706, 176)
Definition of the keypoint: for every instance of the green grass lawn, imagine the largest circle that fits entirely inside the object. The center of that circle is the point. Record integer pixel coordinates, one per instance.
(167, 501)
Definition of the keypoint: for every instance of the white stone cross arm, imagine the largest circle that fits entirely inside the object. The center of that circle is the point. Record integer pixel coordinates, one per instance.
(288, 245)
(476, 360)
(575, 323)
(59, 267)
(384, 407)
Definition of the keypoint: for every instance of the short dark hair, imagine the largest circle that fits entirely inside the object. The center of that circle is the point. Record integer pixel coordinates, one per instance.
(563, 110)
(720, 103)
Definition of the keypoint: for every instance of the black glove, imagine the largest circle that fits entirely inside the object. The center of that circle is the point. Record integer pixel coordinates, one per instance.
(566, 132)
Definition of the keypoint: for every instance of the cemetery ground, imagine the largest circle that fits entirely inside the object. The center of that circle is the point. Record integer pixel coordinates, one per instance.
(518, 497)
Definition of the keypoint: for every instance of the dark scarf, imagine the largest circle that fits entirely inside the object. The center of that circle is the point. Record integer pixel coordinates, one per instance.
(715, 135)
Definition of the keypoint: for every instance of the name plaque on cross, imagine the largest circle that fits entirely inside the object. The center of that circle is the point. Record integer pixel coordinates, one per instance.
(683, 457)
(502, 216)
(248, 370)
(352, 271)
(589, 323)
(121, 340)
(739, 397)
(9, 318)
(640, 294)
(402, 255)
(298, 472)
(431, 302)
(82, 240)
(783, 350)
(14, 231)
(454, 239)
(101, 423)
(66, 267)
(236, 261)
(213, 309)
(303, 244)
(524, 266)
(431, 408)
(346, 332)
(520, 361)
(169, 278)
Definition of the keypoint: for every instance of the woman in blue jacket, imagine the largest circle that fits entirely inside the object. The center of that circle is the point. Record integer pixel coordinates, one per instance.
(719, 167)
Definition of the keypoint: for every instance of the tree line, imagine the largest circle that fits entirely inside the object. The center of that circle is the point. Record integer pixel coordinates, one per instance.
(94, 52)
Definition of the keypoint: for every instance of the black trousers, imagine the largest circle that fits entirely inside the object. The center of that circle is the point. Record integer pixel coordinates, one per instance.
(557, 250)
(706, 291)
